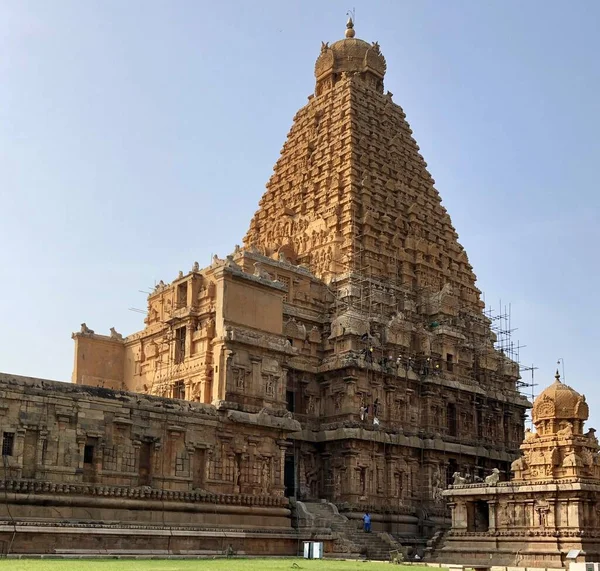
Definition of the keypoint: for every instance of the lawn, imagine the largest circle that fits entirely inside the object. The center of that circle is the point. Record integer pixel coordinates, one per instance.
(197, 565)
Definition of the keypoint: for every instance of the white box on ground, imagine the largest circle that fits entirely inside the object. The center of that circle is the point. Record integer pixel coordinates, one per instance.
(314, 550)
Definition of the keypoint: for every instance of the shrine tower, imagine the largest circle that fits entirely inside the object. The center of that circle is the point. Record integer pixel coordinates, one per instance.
(351, 192)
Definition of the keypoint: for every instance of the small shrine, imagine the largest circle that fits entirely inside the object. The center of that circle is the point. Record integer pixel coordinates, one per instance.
(549, 512)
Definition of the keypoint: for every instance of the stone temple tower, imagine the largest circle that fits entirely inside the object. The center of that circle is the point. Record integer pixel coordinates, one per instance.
(351, 193)
(351, 306)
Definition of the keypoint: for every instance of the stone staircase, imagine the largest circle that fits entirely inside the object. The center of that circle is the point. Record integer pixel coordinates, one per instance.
(374, 545)
(433, 544)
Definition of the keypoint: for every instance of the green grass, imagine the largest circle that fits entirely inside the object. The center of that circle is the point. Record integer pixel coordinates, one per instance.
(197, 565)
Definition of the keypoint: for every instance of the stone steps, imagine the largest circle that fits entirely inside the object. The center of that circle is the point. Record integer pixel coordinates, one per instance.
(369, 544)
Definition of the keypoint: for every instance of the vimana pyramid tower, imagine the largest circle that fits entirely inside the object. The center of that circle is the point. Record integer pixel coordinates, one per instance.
(345, 344)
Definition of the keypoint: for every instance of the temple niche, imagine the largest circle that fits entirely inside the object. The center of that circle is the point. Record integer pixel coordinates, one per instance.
(549, 507)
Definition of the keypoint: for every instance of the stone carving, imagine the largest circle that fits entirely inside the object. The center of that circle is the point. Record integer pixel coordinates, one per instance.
(591, 434)
(458, 479)
(196, 267)
(266, 476)
(572, 459)
(529, 435)
(114, 334)
(437, 485)
(85, 330)
(566, 432)
(519, 465)
(259, 272)
(493, 478)
(229, 263)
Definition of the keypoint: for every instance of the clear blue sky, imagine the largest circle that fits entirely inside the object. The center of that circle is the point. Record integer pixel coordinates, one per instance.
(137, 137)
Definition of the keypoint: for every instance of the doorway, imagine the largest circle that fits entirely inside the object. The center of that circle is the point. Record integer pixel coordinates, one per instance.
(289, 476)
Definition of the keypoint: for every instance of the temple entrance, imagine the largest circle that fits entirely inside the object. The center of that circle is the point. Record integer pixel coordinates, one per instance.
(289, 476)
(478, 516)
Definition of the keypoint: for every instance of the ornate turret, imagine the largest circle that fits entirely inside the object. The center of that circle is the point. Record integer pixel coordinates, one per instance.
(558, 448)
(349, 56)
(559, 402)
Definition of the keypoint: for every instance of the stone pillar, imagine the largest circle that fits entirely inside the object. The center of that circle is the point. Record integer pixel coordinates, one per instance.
(19, 448)
(492, 505)
(81, 446)
(575, 514)
(42, 447)
(255, 383)
(282, 385)
(459, 514)
(279, 489)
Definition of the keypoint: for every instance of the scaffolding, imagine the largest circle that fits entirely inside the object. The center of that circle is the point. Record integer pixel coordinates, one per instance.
(501, 326)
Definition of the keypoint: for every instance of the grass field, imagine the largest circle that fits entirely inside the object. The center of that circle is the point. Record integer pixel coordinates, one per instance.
(197, 565)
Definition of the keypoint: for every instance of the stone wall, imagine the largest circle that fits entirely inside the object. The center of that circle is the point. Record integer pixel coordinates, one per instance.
(87, 460)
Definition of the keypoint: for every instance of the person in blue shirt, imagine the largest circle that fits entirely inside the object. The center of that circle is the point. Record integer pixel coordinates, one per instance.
(367, 522)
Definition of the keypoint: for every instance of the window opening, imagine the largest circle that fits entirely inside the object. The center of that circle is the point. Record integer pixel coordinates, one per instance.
(180, 344)
(8, 440)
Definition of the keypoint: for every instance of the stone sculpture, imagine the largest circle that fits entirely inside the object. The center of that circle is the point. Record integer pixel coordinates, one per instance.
(493, 478)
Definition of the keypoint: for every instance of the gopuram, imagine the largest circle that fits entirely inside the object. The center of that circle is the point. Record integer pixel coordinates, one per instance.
(549, 508)
(341, 354)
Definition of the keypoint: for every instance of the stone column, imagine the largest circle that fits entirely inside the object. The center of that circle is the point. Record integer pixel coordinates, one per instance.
(492, 505)
(279, 489)
(255, 384)
(282, 385)
(41, 447)
(19, 448)
(459, 514)
(81, 445)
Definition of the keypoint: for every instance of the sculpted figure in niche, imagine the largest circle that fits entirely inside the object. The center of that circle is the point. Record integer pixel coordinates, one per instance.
(437, 487)
(337, 401)
(266, 477)
(543, 515)
(270, 387)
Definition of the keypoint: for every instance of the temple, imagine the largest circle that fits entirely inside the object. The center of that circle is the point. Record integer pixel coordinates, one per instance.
(338, 361)
(548, 514)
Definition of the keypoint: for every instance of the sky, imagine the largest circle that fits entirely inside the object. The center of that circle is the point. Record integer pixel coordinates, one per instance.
(137, 137)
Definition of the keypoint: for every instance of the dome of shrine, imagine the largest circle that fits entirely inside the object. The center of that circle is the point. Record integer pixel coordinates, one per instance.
(559, 402)
(350, 55)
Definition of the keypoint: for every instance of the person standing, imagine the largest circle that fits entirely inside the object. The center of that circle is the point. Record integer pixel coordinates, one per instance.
(367, 522)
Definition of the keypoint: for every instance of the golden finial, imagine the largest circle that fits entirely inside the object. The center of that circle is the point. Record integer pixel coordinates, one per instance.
(350, 27)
